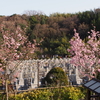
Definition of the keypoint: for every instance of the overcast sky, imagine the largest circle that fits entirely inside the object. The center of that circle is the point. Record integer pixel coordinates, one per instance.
(10, 7)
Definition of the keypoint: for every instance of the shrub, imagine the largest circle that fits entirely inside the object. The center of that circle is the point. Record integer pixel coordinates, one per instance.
(34, 95)
(56, 76)
(64, 93)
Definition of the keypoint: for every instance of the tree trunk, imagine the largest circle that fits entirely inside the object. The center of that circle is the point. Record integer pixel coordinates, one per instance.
(6, 89)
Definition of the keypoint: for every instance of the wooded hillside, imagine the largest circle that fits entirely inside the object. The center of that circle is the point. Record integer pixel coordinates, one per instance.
(51, 34)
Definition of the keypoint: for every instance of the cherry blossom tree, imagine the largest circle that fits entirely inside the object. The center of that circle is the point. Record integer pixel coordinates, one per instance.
(86, 54)
(10, 50)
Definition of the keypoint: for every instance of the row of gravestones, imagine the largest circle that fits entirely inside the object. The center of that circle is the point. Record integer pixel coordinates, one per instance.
(29, 70)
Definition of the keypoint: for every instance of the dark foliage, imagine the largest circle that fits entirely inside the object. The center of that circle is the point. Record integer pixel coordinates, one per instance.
(56, 76)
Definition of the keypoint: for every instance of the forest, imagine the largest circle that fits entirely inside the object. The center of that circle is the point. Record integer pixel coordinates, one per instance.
(50, 34)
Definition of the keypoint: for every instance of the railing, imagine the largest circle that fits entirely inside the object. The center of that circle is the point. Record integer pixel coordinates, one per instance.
(20, 91)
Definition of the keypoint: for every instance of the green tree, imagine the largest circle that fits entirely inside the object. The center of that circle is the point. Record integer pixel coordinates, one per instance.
(63, 45)
(56, 46)
(33, 21)
(56, 76)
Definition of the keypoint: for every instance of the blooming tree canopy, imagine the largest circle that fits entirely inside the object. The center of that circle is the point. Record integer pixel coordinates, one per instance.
(10, 50)
(86, 54)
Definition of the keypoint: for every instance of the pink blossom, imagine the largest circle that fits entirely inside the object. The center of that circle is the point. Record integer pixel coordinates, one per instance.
(98, 70)
(85, 54)
(1, 70)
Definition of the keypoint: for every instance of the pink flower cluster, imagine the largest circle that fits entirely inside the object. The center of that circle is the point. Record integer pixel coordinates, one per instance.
(9, 50)
(86, 54)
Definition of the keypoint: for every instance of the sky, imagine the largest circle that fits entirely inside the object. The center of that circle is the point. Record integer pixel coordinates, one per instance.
(10, 7)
